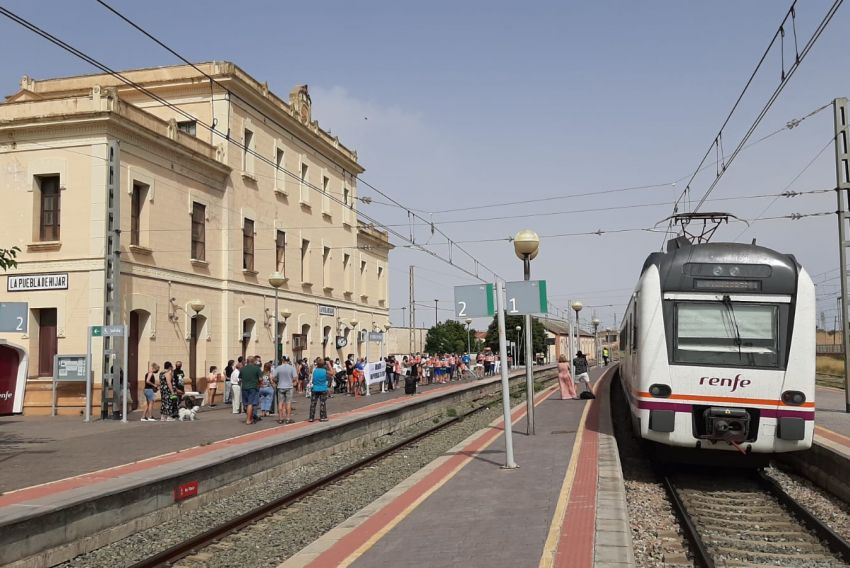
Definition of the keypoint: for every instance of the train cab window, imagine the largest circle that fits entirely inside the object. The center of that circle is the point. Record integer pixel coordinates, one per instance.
(726, 333)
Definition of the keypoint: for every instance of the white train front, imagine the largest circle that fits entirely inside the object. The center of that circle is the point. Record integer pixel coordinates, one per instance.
(719, 350)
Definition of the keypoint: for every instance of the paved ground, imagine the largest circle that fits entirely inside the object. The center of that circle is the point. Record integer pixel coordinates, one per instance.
(464, 509)
(40, 449)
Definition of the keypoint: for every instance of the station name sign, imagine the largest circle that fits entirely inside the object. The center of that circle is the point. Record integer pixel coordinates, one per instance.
(29, 282)
(327, 310)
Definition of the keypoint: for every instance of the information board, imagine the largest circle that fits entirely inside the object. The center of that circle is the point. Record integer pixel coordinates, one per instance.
(68, 369)
(375, 373)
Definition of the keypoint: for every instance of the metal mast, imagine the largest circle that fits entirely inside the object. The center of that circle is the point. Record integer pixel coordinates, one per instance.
(112, 371)
(842, 191)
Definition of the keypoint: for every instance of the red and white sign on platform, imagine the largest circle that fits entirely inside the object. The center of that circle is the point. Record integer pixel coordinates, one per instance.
(186, 490)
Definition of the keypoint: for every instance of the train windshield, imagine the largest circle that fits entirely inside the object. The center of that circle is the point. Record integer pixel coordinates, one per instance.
(726, 333)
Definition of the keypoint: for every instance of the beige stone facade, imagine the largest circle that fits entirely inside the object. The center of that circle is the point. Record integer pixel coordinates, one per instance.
(203, 222)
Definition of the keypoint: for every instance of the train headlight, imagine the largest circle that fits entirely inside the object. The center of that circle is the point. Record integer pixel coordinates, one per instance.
(717, 270)
(660, 391)
(794, 398)
(735, 271)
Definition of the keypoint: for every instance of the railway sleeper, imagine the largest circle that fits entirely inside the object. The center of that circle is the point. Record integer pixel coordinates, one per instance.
(724, 514)
(747, 525)
(715, 506)
(757, 533)
(733, 556)
(769, 546)
(743, 502)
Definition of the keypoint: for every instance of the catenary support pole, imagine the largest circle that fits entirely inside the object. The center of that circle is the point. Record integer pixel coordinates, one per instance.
(842, 190)
(529, 358)
(89, 376)
(122, 375)
(506, 387)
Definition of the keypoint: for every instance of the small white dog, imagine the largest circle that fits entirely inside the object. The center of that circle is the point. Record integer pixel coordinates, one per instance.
(188, 413)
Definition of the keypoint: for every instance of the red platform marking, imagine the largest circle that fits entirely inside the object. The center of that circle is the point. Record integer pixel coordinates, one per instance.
(833, 436)
(52, 488)
(575, 545)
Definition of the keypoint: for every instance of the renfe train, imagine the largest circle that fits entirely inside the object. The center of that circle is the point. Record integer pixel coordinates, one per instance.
(719, 353)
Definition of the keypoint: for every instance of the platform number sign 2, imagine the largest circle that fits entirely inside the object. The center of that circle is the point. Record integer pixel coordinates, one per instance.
(474, 301)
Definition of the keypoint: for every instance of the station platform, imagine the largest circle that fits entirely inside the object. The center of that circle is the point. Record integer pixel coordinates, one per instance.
(564, 506)
(831, 421)
(80, 486)
(65, 446)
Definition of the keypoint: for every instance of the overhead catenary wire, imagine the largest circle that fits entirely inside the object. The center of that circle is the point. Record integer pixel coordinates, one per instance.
(106, 69)
(434, 227)
(785, 78)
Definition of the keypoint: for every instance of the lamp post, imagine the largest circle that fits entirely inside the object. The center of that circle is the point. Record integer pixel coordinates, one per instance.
(196, 306)
(276, 279)
(286, 314)
(576, 306)
(468, 347)
(526, 247)
(436, 318)
(595, 322)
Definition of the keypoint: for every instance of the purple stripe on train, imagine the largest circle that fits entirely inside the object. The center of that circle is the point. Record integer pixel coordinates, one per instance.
(653, 405)
(764, 412)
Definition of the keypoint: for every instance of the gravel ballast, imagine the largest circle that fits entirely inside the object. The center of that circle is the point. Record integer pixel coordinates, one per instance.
(656, 536)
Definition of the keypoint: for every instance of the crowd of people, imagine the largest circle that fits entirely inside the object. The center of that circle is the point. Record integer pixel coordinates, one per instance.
(262, 389)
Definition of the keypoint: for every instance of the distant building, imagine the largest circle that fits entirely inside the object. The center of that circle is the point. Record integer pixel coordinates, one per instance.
(203, 225)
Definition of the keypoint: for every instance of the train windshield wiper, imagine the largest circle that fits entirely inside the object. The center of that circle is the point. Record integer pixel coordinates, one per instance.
(727, 302)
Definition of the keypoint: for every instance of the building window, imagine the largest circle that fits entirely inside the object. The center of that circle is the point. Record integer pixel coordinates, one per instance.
(248, 153)
(199, 233)
(248, 245)
(49, 218)
(345, 195)
(305, 191)
(188, 126)
(362, 268)
(326, 197)
(346, 271)
(137, 199)
(280, 249)
(305, 261)
(326, 267)
(279, 174)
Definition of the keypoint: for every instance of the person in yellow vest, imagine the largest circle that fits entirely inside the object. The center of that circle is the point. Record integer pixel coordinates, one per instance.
(605, 355)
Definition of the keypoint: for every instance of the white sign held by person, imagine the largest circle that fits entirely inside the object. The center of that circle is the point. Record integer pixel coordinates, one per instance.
(375, 373)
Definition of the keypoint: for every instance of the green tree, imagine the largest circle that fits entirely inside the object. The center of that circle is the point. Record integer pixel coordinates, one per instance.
(8, 258)
(538, 334)
(447, 337)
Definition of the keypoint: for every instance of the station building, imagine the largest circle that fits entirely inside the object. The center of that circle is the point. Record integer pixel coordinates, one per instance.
(203, 225)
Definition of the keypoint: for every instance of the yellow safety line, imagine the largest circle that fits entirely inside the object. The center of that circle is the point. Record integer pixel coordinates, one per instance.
(547, 560)
(363, 548)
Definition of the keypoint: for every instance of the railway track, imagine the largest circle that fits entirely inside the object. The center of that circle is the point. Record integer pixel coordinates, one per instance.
(733, 520)
(190, 547)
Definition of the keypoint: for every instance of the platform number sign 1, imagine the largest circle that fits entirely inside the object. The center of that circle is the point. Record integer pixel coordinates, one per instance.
(475, 301)
(526, 297)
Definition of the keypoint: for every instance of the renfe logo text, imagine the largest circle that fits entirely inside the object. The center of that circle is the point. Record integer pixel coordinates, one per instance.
(725, 382)
(6, 395)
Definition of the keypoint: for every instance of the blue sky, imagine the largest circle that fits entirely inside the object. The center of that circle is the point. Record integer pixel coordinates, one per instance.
(476, 103)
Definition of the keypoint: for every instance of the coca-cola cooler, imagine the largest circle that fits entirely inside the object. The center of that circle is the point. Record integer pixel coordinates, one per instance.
(13, 378)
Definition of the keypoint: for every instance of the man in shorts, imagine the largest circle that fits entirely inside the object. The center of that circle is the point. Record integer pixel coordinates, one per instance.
(284, 375)
(582, 376)
(249, 377)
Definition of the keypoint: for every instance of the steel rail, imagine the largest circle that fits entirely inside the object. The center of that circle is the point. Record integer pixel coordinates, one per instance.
(191, 545)
(701, 554)
(836, 543)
